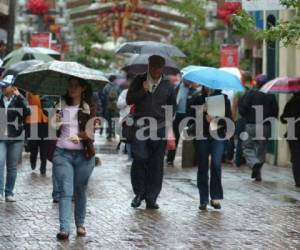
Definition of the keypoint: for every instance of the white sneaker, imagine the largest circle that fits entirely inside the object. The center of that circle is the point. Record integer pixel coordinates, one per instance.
(10, 198)
(2, 199)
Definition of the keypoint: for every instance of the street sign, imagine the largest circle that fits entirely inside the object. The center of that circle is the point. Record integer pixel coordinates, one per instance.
(230, 55)
(261, 5)
(41, 39)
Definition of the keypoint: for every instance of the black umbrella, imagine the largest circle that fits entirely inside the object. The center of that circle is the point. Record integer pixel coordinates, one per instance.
(20, 66)
(138, 64)
(149, 47)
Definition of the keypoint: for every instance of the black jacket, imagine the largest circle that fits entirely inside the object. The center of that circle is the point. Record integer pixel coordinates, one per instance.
(151, 104)
(198, 98)
(292, 110)
(257, 98)
(15, 129)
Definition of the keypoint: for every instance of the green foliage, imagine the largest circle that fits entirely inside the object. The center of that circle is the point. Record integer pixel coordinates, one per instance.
(194, 40)
(288, 32)
(88, 35)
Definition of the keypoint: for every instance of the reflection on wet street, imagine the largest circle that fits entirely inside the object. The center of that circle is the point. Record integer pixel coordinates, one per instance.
(254, 215)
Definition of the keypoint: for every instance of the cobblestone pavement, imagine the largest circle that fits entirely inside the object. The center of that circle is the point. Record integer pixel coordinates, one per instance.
(254, 215)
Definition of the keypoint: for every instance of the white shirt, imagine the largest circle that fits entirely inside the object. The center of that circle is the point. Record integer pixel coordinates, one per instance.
(122, 105)
(6, 102)
(153, 82)
(69, 128)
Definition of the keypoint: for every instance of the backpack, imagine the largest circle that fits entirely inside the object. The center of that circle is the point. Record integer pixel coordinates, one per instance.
(112, 98)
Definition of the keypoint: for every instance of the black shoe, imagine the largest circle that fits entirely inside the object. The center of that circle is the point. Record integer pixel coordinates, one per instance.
(203, 207)
(33, 166)
(255, 170)
(55, 200)
(137, 201)
(258, 176)
(43, 171)
(215, 204)
(152, 206)
(62, 236)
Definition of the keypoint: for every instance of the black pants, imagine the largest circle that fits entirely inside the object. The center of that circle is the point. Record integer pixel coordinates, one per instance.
(295, 158)
(177, 131)
(39, 144)
(147, 167)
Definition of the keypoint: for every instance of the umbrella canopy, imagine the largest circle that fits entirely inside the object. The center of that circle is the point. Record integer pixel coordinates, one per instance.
(282, 85)
(234, 71)
(138, 64)
(21, 66)
(18, 58)
(212, 78)
(52, 78)
(31, 51)
(149, 47)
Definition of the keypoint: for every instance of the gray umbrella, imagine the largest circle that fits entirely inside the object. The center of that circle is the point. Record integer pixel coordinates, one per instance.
(138, 64)
(52, 78)
(149, 47)
(20, 66)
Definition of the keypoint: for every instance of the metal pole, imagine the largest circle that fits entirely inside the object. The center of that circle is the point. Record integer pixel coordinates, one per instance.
(11, 25)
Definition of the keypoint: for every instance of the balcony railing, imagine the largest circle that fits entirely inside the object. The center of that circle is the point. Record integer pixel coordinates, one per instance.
(4, 7)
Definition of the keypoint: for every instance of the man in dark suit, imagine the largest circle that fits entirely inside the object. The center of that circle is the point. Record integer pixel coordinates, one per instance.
(149, 93)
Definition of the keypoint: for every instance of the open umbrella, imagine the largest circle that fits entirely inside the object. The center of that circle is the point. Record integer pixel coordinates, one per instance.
(149, 47)
(282, 85)
(30, 51)
(138, 64)
(52, 78)
(20, 66)
(212, 78)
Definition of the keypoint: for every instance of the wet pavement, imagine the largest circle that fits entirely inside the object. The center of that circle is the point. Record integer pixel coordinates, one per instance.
(254, 215)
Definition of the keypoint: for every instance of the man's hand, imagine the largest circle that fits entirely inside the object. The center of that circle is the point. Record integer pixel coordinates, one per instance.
(146, 86)
(209, 118)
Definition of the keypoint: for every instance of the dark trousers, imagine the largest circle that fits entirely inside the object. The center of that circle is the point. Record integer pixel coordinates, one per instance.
(295, 159)
(39, 144)
(177, 131)
(239, 128)
(147, 167)
(111, 126)
(215, 149)
(36, 146)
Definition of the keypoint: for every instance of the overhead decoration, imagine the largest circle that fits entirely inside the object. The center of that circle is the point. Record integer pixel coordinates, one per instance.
(38, 7)
(228, 9)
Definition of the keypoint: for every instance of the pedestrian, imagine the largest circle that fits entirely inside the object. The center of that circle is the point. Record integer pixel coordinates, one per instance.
(213, 148)
(14, 109)
(149, 93)
(182, 91)
(111, 93)
(291, 110)
(37, 123)
(254, 148)
(74, 155)
(124, 110)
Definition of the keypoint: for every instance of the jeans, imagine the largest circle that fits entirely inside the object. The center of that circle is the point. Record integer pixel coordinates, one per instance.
(10, 152)
(215, 149)
(72, 171)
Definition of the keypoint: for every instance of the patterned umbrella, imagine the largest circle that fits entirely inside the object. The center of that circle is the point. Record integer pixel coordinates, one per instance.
(138, 64)
(282, 85)
(149, 47)
(52, 78)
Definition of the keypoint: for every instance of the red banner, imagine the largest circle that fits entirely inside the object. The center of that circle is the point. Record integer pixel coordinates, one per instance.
(230, 56)
(42, 39)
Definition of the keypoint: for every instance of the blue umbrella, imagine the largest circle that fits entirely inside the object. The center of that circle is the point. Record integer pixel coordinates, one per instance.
(212, 78)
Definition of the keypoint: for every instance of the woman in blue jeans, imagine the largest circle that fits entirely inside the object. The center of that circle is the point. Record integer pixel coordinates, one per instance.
(211, 145)
(13, 109)
(74, 156)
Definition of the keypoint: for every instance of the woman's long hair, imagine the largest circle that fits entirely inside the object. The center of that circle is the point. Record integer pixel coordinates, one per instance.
(86, 95)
